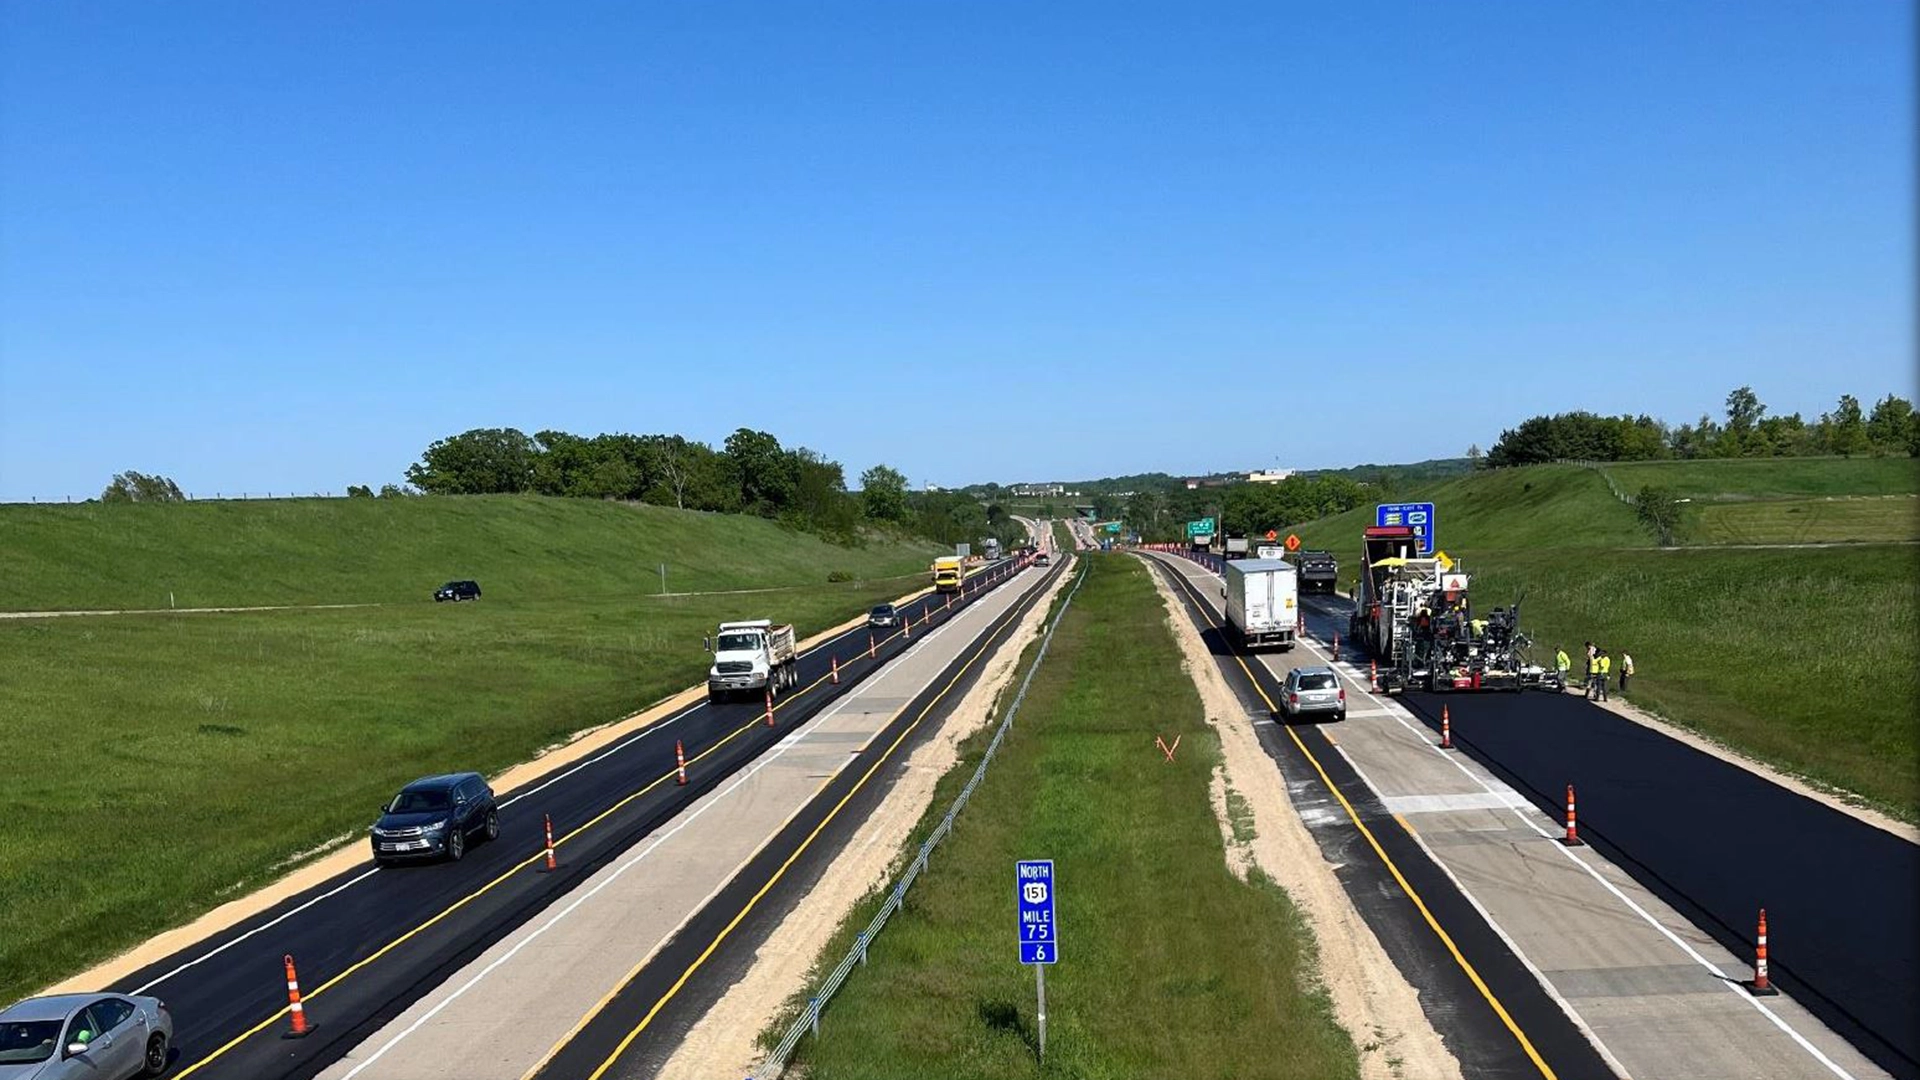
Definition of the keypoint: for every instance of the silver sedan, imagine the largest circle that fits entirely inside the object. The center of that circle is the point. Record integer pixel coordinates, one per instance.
(97, 1036)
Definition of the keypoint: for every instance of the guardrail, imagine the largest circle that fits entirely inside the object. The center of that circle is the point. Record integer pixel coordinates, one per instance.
(808, 1022)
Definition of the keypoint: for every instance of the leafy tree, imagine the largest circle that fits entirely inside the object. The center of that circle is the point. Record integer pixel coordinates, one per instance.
(395, 491)
(133, 486)
(1744, 410)
(883, 493)
(1660, 511)
(765, 470)
(1847, 434)
(1889, 424)
(483, 461)
(359, 491)
(1474, 455)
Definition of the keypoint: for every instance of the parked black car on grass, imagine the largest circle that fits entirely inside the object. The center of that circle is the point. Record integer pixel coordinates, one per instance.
(457, 590)
(435, 816)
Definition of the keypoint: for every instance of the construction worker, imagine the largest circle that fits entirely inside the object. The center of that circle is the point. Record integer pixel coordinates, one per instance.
(1606, 668)
(1626, 670)
(1562, 664)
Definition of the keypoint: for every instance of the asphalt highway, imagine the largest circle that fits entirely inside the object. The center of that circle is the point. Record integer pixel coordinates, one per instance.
(371, 941)
(1716, 842)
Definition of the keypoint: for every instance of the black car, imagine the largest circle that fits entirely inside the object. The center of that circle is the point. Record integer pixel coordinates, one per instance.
(457, 590)
(435, 816)
(883, 615)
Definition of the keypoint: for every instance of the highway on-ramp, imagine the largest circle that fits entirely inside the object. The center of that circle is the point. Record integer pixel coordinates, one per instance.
(369, 942)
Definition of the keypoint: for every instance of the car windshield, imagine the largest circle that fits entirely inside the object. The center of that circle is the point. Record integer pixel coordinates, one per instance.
(1318, 682)
(883, 609)
(416, 802)
(737, 643)
(23, 1042)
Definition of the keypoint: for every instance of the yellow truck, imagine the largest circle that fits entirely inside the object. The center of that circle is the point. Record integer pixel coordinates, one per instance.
(948, 573)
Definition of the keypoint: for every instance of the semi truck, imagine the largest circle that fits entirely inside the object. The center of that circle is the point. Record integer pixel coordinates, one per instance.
(1263, 601)
(756, 655)
(949, 572)
(1236, 547)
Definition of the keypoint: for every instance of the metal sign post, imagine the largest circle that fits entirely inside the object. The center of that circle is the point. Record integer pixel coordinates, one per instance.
(1039, 932)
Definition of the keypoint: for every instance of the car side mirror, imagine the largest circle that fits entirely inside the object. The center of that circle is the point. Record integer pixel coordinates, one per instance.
(77, 1048)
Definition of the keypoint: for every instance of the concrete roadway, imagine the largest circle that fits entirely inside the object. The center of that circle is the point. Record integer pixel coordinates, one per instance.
(371, 941)
(509, 1011)
(1658, 996)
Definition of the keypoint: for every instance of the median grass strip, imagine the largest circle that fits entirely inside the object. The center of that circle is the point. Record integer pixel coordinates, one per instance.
(1172, 966)
(202, 753)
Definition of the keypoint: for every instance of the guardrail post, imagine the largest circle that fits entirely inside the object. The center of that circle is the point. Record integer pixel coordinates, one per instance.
(863, 948)
(813, 1015)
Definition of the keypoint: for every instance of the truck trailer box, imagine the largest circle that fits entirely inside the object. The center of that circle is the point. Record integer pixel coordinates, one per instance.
(1263, 601)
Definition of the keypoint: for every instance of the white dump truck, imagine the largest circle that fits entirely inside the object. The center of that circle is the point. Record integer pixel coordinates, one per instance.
(752, 657)
(1263, 601)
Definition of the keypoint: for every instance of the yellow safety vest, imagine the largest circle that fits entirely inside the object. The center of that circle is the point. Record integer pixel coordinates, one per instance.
(1606, 665)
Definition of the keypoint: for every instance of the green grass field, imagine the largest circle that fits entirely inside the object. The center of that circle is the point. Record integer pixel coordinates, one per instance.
(1806, 658)
(1171, 967)
(203, 727)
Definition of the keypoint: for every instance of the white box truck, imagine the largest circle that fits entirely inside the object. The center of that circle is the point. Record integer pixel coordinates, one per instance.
(1263, 601)
(756, 655)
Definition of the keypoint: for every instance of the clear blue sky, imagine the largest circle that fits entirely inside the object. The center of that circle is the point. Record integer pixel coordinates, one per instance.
(271, 246)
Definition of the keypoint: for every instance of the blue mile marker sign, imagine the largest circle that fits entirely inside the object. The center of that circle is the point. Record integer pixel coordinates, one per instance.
(1033, 891)
(1417, 516)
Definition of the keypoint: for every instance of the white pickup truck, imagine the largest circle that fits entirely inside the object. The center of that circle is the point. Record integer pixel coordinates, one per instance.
(755, 655)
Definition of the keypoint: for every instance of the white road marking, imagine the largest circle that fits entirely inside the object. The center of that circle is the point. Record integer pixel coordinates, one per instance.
(1434, 804)
(342, 887)
(1526, 814)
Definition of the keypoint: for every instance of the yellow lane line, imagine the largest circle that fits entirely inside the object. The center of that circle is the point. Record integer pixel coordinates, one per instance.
(1486, 992)
(536, 857)
(753, 901)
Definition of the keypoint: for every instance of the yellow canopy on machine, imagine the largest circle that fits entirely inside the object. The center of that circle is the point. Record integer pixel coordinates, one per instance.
(1394, 560)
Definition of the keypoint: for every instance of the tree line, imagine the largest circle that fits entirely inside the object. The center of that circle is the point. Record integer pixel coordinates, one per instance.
(1891, 427)
(751, 473)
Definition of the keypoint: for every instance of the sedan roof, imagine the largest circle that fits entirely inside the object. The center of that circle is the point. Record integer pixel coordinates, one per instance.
(439, 783)
(51, 1007)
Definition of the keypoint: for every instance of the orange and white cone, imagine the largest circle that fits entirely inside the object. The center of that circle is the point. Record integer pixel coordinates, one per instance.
(296, 1012)
(1373, 675)
(870, 645)
(836, 671)
(1762, 985)
(770, 706)
(680, 761)
(1446, 729)
(552, 863)
(1572, 839)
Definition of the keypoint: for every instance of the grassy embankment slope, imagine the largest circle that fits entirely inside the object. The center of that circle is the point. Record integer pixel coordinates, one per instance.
(1168, 960)
(1803, 657)
(200, 752)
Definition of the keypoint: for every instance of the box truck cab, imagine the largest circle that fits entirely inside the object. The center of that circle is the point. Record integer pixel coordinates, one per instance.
(948, 573)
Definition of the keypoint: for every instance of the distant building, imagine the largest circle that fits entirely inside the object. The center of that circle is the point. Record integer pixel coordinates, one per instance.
(932, 487)
(1039, 491)
(1269, 477)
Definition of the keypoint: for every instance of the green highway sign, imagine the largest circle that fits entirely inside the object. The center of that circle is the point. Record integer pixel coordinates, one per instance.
(1203, 527)
(1113, 526)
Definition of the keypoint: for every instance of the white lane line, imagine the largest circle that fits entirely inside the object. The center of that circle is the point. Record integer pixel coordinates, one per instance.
(342, 887)
(1526, 813)
(779, 749)
(350, 882)
(1438, 804)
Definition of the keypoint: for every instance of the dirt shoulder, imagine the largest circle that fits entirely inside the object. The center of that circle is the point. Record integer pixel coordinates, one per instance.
(1371, 999)
(722, 1043)
(343, 856)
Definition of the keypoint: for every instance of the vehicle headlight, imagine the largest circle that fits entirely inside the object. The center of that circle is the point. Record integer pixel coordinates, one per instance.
(435, 827)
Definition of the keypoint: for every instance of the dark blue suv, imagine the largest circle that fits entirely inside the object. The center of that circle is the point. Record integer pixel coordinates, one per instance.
(435, 816)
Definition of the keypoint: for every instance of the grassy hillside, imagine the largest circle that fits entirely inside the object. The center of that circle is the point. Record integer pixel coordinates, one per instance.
(215, 718)
(313, 551)
(1808, 658)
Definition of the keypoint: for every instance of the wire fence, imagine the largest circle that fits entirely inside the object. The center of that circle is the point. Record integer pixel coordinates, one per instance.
(191, 496)
(808, 1022)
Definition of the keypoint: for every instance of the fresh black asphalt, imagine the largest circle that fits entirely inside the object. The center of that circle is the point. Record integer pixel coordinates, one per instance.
(1473, 1032)
(239, 981)
(708, 980)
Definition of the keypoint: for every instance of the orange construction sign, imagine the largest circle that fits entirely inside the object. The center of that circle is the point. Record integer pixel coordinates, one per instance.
(1271, 535)
(1293, 542)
